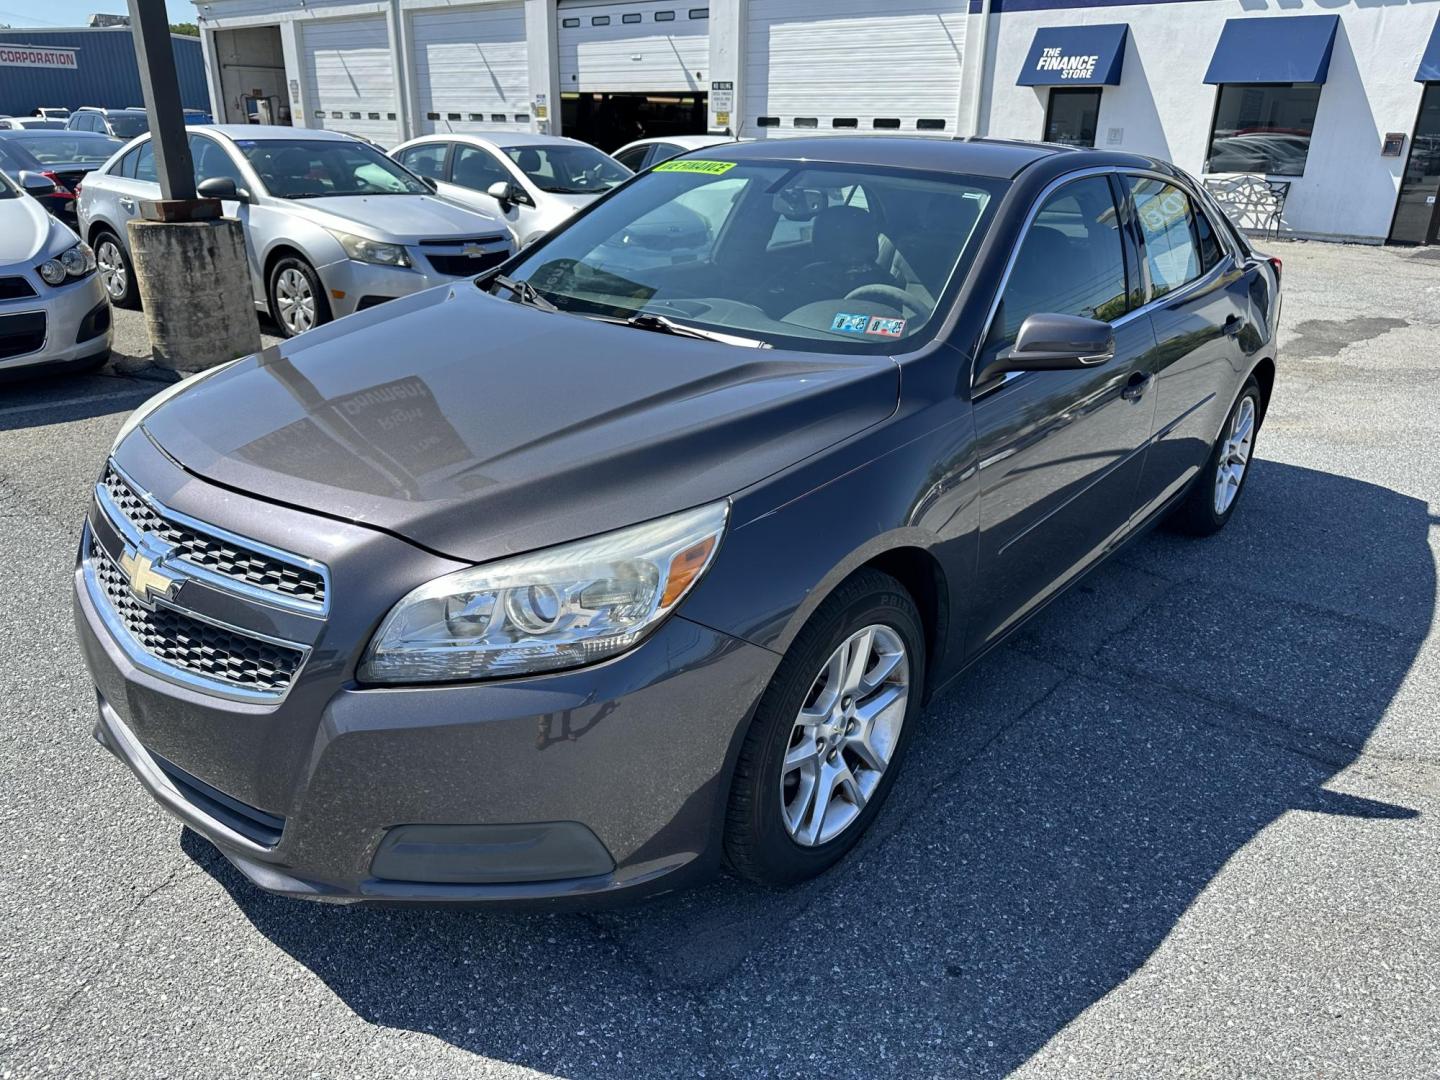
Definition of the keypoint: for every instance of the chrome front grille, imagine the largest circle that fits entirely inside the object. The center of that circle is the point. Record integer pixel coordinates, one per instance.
(193, 645)
(223, 556)
(196, 605)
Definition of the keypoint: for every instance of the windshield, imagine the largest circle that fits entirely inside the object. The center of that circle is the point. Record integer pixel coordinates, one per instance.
(321, 168)
(79, 146)
(129, 125)
(823, 258)
(568, 170)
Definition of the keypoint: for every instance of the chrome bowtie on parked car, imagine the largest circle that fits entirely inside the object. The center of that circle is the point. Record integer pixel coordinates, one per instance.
(53, 313)
(635, 558)
(331, 224)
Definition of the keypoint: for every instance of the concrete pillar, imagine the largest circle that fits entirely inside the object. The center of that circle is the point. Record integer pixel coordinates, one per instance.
(542, 49)
(727, 66)
(195, 285)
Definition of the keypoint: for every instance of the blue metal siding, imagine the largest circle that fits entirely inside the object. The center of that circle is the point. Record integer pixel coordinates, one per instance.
(105, 73)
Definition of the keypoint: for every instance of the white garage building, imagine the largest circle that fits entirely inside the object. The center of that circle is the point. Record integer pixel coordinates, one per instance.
(1324, 117)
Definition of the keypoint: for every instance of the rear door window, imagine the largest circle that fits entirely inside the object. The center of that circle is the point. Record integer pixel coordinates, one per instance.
(1167, 222)
(145, 163)
(427, 160)
(634, 158)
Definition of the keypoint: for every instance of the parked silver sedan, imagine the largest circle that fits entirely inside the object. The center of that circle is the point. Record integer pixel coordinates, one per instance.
(331, 224)
(53, 314)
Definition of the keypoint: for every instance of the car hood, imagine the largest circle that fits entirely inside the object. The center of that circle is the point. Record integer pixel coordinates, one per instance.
(401, 219)
(479, 428)
(24, 230)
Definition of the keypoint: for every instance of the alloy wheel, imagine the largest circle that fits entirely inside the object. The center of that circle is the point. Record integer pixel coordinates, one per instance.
(1235, 455)
(111, 265)
(295, 300)
(845, 735)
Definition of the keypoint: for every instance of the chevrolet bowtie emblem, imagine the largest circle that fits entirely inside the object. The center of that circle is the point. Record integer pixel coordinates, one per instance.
(145, 581)
(472, 251)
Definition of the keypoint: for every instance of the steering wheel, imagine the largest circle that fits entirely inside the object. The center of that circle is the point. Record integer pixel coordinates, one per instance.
(889, 294)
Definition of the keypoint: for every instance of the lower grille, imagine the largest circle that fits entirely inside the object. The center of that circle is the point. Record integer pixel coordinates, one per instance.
(21, 334)
(466, 265)
(192, 645)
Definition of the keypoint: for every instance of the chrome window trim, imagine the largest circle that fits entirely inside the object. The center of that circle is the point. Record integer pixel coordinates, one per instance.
(145, 661)
(221, 582)
(1034, 212)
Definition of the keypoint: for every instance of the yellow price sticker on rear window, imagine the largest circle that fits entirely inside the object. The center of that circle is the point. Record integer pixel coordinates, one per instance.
(709, 168)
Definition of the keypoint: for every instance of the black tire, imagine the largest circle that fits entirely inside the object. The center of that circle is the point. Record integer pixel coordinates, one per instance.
(1196, 513)
(108, 243)
(758, 846)
(317, 291)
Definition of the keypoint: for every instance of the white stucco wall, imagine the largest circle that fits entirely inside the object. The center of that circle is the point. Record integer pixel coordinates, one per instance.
(1164, 107)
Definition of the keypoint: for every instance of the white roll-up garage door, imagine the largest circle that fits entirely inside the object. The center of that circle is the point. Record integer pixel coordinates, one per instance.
(842, 66)
(649, 46)
(351, 77)
(471, 69)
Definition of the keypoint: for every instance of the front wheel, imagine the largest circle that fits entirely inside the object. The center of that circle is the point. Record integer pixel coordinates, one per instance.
(829, 734)
(1209, 504)
(297, 300)
(117, 276)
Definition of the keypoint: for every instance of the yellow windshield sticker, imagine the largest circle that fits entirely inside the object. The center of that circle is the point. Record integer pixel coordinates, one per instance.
(709, 168)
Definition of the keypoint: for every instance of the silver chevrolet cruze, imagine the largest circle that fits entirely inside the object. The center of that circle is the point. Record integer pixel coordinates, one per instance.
(332, 225)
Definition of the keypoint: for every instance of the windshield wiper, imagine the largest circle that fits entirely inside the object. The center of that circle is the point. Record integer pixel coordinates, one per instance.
(527, 293)
(661, 324)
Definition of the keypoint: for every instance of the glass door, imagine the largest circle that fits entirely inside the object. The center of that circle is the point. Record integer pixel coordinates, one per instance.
(1417, 215)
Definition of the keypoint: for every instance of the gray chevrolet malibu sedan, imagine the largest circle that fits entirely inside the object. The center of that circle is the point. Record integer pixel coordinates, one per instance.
(637, 558)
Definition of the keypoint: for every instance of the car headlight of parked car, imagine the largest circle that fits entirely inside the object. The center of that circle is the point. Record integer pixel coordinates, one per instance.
(562, 607)
(74, 262)
(363, 249)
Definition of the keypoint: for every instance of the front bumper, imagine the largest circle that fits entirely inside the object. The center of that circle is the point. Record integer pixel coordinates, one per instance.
(66, 311)
(364, 285)
(637, 751)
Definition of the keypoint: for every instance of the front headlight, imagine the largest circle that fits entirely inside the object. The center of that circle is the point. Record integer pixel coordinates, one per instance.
(566, 606)
(74, 262)
(372, 251)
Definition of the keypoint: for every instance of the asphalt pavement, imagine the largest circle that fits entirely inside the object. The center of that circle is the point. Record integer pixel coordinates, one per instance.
(1185, 824)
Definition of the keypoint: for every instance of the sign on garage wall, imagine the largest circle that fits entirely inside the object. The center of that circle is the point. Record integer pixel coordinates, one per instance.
(30, 56)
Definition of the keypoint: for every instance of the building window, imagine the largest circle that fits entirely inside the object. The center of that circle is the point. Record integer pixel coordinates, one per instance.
(354, 116)
(1263, 128)
(844, 122)
(337, 116)
(632, 17)
(475, 116)
(664, 16)
(767, 121)
(806, 121)
(699, 13)
(319, 114)
(1073, 115)
(929, 124)
(497, 118)
(569, 24)
(432, 116)
(522, 117)
(599, 20)
(452, 116)
(374, 115)
(886, 123)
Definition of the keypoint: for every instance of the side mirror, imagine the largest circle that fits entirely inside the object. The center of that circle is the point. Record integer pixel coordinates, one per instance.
(222, 187)
(1049, 342)
(429, 181)
(502, 191)
(37, 184)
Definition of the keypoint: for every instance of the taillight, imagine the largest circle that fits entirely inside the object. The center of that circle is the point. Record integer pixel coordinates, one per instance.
(54, 178)
(1276, 265)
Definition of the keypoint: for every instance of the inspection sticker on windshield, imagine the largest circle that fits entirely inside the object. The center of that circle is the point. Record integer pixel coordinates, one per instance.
(885, 327)
(709, 168)
(850, 324)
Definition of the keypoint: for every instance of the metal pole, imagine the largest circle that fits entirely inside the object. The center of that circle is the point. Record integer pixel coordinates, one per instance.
(150, 28)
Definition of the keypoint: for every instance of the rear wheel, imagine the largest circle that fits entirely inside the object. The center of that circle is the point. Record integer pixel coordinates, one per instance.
(297, 301)
(117, 276)
(829, 734)
(1214, 494)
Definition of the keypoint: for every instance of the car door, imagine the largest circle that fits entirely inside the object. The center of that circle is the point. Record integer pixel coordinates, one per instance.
(472, 170)
(213, 161)
(134, 181)
(1199, 293)
(1060, 453)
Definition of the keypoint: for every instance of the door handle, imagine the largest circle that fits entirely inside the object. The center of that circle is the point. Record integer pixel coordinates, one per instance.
(127, 204)
(1233, 325)
(1136, 385)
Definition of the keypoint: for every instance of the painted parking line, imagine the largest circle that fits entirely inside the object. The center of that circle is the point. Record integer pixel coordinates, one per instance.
(60, 403)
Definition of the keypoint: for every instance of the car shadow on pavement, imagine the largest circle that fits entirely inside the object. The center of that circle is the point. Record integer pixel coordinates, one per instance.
(1063, 806)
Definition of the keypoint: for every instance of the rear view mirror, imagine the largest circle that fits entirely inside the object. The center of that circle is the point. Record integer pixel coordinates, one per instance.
(221, 187)
(1049, 342)
(501, 191)
(37, 184)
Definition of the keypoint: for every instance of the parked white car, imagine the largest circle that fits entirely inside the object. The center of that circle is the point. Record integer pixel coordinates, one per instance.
(53, 313)
(534, 182)
(642, 153)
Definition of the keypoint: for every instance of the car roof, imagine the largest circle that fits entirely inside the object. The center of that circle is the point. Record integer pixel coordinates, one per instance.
(503, 140)
(54, 133)
(688, 142)
(276, 131)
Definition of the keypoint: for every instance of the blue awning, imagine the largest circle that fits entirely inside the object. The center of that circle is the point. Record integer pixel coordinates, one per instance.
(1430, 59)
(1075, 56)
(1274, 49)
